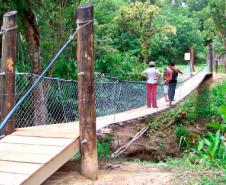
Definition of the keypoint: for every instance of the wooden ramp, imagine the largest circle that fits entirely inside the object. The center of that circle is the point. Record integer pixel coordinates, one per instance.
(30, 155)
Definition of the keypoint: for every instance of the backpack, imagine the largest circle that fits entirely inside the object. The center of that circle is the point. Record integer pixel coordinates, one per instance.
(164, 72)
(166, 75)
(174, 75)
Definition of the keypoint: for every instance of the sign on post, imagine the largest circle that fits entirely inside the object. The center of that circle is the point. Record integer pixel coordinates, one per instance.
(187, 56)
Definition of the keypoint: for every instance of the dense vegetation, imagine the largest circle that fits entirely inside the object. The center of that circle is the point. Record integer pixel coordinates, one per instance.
(127, 33)
(204, 151)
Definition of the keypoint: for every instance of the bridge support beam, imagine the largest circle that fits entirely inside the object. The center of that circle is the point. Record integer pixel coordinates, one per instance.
(192, 58)
(8, 67)
(86, 92)
(210, 56)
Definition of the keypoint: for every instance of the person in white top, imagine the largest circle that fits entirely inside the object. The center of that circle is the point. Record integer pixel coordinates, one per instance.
(152, 74)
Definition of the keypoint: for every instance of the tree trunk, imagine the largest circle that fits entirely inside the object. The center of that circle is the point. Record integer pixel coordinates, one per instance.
(33, 37)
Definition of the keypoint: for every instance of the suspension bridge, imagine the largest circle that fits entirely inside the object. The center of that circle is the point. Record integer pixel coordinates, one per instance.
(46, 115)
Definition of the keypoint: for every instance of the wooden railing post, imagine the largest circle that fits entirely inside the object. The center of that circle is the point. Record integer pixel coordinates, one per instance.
(192, 59)
(8, 66)
(210, 56)
(86, 92)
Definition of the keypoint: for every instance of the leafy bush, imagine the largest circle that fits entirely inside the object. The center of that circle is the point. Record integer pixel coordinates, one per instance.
(124, 66)
(218, 126)
(103, 146)
(182, 136)
(212, 150)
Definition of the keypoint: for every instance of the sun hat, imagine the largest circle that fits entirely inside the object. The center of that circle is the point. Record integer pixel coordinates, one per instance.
(151, 64)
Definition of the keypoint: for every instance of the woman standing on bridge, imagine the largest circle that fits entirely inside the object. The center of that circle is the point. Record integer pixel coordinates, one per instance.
(152, 74)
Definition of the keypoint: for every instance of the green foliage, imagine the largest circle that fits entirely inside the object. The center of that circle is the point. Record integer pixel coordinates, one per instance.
(211, 14)
(126, 32)
(103, 146)
(182, 136)
(193, 173)
(66, 69)
(187, 34)
(127, 66)
(219, 94)
(222, 111)
(217, 126)
(136, 19)
(212, 150)
(216, 10)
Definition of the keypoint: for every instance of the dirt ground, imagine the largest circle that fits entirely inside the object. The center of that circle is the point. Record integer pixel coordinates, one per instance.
(126, 173)
(113, 173)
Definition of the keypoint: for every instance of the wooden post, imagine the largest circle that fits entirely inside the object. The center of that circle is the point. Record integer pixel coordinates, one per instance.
(210, 56)
(192, 58)
(8, 67)
(216, 65)
(86, 93)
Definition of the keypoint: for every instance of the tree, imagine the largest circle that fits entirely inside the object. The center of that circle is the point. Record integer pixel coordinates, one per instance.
(216, 9)
(173, 46)
(136, 19)
(211, 14)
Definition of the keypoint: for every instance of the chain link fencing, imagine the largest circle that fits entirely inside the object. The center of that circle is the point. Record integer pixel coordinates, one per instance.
(56, 101)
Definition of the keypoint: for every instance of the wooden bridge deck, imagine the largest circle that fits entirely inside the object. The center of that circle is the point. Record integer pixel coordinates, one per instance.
(30, 155)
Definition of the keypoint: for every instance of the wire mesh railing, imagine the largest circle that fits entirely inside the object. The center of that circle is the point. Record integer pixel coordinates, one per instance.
(55, 100)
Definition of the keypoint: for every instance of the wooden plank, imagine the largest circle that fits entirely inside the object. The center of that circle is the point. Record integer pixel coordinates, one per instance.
(37, 149)
(53, 165)
(11, 179)
(18, 156)
(36, 140)
(58, 126)
(73, 134)
(18, 167)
